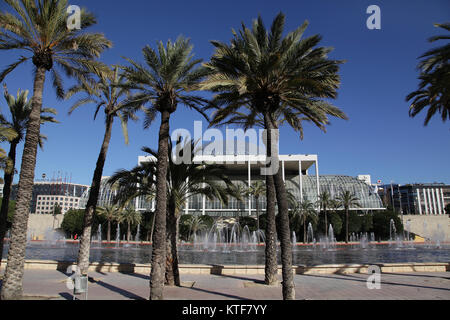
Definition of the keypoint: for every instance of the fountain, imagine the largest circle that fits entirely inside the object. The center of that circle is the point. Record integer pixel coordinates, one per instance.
(409, 242)
(363, 240)
(233, 244)
(223, 239)
(392, 233)
(331, 239)
(310, 234)
(427, 239)
(118, 235)
(294, 241)
(99, 235)
(438, 237)
(328, 243)
(137, 238)
(54, 238)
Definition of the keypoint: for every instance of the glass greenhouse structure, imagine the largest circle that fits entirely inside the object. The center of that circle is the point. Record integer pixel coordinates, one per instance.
(245, 170)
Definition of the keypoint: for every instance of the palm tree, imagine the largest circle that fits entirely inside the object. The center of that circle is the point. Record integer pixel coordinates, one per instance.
(347, 200)
(434, 88)
(171, 73)
(324, 203)
(131, 217)
(240, 192)
(39, 27)
(19, 109)
(275, 80)
(107, 93)
(183, 181)
(195, 224)
(111, 214)
(257, 190)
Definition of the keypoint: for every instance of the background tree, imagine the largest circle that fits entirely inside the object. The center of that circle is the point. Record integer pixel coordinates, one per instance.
(167, 80)
(39, 27)
(111, 214)
(434, 86)
(131, 217)
(307, 212)
(347, 200)
(73, 222)
(324, 203)
(193, 224)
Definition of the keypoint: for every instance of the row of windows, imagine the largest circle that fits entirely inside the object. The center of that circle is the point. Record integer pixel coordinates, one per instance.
(66, 206)
(57, 199)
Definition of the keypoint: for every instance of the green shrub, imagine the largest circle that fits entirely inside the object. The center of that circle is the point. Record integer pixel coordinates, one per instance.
(382, 222)
(73, 222)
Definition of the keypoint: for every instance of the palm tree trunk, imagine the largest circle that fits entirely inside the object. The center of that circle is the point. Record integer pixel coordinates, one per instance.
(85, 242)
(271, 267)
(159, 235)
(326, 222)
(8, 179)
(129, 231)
(12, 284)
(172, 271)
(284, 229)
(152, 228)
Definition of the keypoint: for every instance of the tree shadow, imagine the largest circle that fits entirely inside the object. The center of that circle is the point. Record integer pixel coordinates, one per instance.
(123, 292)
(418, 275)
(353, 278)
(227, 295)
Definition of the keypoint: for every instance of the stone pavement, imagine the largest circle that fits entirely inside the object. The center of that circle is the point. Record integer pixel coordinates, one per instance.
(51, 285)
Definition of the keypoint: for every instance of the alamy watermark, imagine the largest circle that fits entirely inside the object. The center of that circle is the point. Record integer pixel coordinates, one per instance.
(374, 20)
(374, 280)
(74, 18)
(213, 147)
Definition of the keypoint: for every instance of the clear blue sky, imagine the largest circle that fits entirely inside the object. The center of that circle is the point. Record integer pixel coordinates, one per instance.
(379, 139)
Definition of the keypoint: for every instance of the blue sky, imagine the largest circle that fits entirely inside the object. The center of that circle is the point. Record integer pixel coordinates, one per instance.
(380, 138)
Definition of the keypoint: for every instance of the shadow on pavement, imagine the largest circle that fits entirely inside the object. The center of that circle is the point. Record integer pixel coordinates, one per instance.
(383, 282)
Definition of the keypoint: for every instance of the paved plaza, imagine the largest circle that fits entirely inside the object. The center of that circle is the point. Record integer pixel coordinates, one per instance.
(51, 285)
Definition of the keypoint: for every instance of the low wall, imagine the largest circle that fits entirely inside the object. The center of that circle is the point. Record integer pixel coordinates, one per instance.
(39, 224)
(242, 270)
(432, 222)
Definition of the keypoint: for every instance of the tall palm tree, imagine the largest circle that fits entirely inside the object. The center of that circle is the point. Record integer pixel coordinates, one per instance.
(39, 27)
(169, 76)
(183, 181)
(325, 203)
(106, 92)
(434, 87)
(111, 214)
(347, 200)
(276, 80)
(257, 190)
(19, 110)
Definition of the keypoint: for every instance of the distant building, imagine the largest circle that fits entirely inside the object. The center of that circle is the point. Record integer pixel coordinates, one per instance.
(43, 191)
(46, 203)
(105, 196)
(420, 199)
(244, 170)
